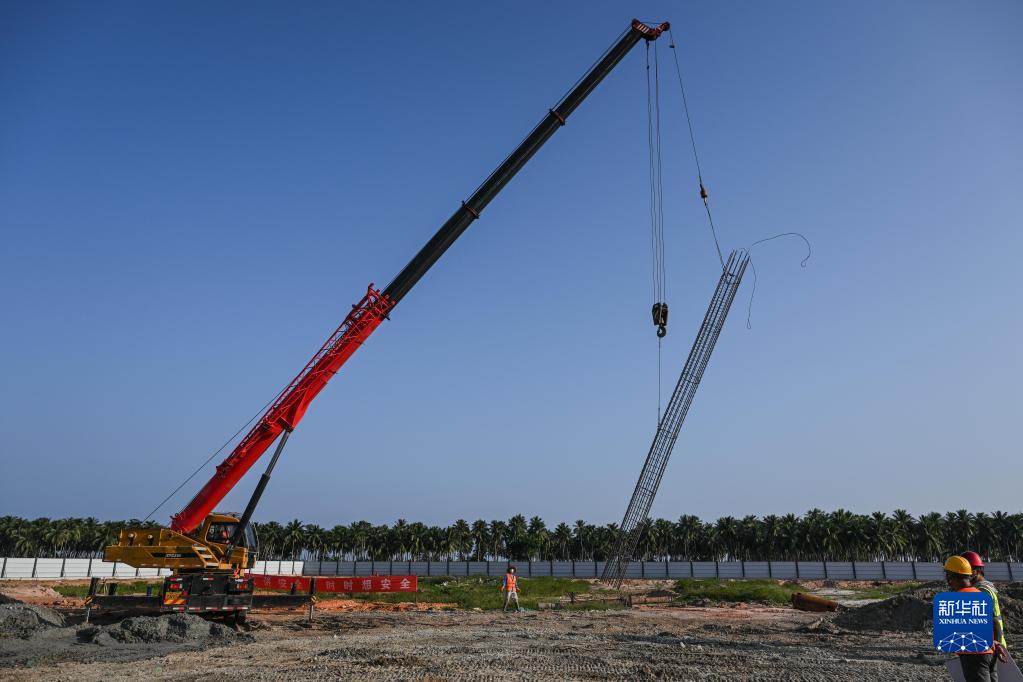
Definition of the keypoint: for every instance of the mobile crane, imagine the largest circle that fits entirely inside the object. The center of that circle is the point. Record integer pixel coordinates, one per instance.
(209, 552)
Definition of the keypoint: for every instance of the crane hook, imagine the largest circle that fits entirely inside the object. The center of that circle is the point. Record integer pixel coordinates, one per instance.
(660, 315)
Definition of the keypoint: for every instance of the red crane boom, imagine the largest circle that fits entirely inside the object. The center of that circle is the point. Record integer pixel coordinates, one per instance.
(289, 408)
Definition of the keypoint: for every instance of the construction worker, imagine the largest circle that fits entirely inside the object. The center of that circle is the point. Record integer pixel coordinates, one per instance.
(510, 587)
(981, 583)
(977, 667)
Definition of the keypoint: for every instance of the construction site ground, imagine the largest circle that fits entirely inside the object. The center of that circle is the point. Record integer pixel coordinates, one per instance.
(362, 640)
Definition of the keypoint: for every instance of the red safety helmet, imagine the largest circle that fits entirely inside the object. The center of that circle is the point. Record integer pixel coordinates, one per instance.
(974, 559)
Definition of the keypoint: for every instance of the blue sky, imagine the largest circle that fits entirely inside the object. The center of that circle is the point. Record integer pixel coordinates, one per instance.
(193, 194)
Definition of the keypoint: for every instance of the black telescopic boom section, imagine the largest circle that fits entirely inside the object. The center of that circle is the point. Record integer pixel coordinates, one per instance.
(250, 508)
(471, 208)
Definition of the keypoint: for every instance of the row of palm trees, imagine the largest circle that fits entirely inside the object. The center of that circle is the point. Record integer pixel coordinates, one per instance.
(815, 536)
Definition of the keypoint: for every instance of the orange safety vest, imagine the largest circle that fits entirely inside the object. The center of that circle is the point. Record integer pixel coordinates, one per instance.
(509, 583)
(968, 653)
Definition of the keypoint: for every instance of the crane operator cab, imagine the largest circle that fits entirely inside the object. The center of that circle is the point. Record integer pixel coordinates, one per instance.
(218, 533)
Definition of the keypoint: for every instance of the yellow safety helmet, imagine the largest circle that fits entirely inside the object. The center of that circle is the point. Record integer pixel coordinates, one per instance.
(959, 565)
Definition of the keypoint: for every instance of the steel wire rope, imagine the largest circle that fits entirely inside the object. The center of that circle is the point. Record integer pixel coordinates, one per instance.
(703, 192)
(209, 459)
(655, 173)
(692, 141)
(802, 264)
(660, 175)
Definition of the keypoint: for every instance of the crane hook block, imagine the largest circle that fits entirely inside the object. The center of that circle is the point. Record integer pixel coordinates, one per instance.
(660, 315)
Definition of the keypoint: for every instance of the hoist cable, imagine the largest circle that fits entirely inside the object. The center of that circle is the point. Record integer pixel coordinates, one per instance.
(660, 176)
(692, 141)
(660, 223)
(653, 143)
(655, 170)
(659, 344)
(210, 458)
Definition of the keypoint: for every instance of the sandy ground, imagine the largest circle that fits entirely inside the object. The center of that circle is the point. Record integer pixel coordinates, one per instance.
(644, 642)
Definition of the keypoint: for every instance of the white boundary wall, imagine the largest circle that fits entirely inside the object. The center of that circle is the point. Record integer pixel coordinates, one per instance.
(14, 568)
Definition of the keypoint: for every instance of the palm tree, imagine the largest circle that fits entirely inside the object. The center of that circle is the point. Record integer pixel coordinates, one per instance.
(461, 538)
(539, 541)
(498, 539)
(562, 542)
(480, 539)
(727, 529)
(417, 541)
(688, 531)
(960, 528)
(580, 541)
(315, 541)
(984, 534)
(880, 539)
(1001, 524)
(903, 532)
(663, 532)
(929, 541)
(517, 539)
(293, 538)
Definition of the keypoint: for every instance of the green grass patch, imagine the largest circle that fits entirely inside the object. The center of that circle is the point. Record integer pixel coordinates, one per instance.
(715, 589)
(885, 591)
(136, 587)
(478, 592)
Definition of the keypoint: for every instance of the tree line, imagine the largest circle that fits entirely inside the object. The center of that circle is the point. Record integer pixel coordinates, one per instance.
(815, 536)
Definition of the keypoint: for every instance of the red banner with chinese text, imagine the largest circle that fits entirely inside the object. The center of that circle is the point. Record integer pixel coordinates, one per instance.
(373, 583)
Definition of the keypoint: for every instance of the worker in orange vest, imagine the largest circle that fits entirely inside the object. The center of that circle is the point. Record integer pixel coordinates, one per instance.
(510, 587)
(982, 666)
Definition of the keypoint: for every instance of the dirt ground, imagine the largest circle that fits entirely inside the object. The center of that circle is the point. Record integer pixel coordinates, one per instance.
(644, 642)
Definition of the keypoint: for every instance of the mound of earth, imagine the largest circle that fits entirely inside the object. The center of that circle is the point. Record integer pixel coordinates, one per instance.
(1013, 590)
(26, 593)
(901, 613)
(24, 620)
(176, 628)
(1012, 613)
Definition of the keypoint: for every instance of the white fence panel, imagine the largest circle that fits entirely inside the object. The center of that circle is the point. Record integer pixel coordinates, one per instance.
(18, 568)
(758, 569)
(48, 568)
(679, 569)
(23, 568)
(124, 571)
(705, 569)
(930, 571)
(839, 570)
(77, 568)
(869, 570)
(811, 570)
(783, 570)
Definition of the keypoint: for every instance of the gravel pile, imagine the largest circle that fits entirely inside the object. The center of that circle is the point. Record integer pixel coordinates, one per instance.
(176, 628)
(24, 620)
(901, 613)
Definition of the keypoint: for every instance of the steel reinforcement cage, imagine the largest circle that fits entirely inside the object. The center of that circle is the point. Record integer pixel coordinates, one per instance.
(636, 514)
